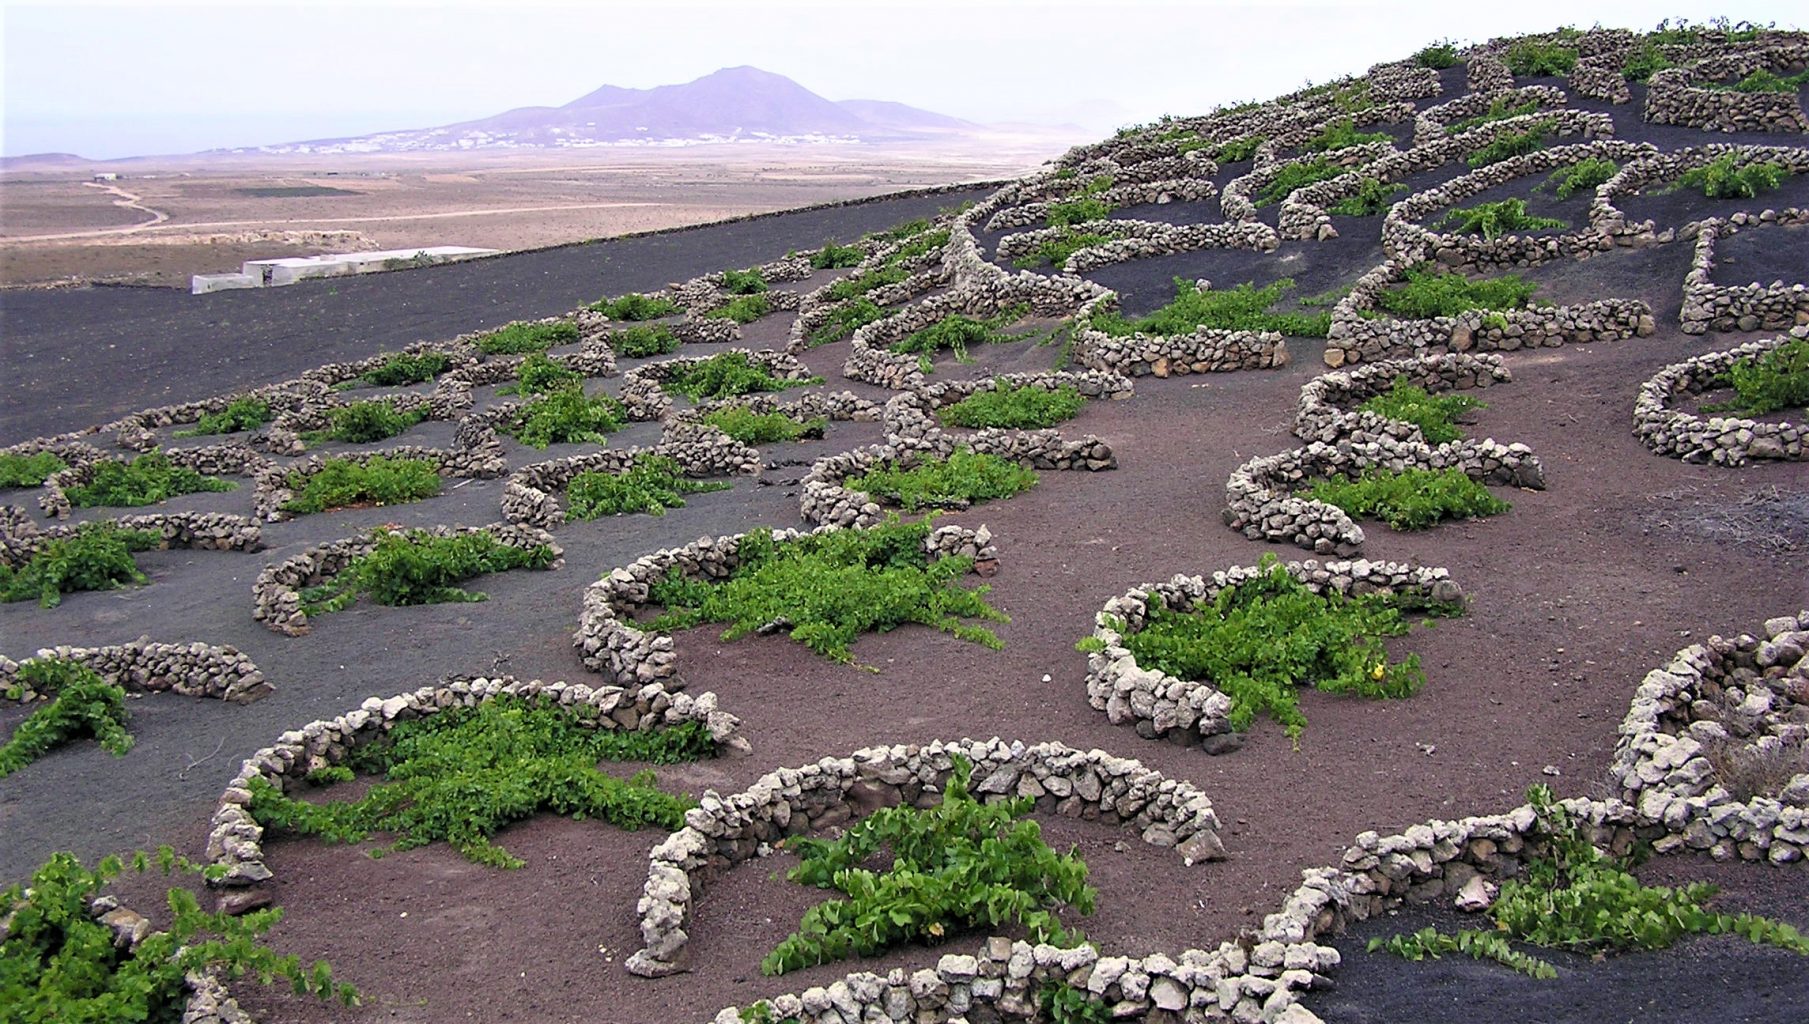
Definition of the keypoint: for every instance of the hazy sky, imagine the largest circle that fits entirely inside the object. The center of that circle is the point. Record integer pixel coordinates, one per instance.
(134, 78)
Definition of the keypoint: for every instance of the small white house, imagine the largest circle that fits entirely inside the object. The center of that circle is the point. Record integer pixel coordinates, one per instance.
(106, 175)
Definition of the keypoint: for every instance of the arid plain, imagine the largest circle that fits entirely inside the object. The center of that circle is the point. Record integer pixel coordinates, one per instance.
(165, 219)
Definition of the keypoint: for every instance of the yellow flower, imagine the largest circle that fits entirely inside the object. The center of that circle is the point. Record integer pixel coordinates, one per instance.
(1378, 672)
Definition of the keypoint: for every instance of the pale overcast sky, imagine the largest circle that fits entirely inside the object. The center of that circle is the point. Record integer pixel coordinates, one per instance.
(133, 78)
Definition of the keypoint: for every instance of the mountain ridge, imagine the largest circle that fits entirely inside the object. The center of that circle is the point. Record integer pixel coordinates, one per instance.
(734, 104)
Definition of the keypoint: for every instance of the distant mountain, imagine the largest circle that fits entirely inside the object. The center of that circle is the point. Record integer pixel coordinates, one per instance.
(739, 104)
(46, 160)
(897, 116)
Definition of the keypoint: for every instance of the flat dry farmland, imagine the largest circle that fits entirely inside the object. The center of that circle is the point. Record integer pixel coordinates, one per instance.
(225, 212)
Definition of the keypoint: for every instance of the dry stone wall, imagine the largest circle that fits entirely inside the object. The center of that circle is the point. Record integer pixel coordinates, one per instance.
(612, 644)
(1713, 746)
(1406, 240)
(644, 395)
(1673, 96)
(148, 666)
(1709, 306)
(1667, 167)
(531, 494)
(479, 460)
(1720, 440)
(222, 459)
(722, 832)
(824, 496)
(1186, 711)
(235, 843)
(21, 536)
(276, 594)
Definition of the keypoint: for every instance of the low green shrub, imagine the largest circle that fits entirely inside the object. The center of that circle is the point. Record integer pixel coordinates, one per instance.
(240, 414)
(1680, 31)
(959, 865)
(855, 285)
(416, 567)
(1428, 293)
(146, 480)
(341, 483)
(834, 257)
(538, 375)
(644, 340)
(726, 375)
(1078, 211)
(1724, 179)
(743, 282)
(1492, 220)
(59, 964)
(1341, 134)
(402, 368)
(1296, 175)
(966, 477)
(1015, 407)
(1085, 205)
(900, 232)
(957, 332)
(1413, 499)
(521, 338)
(1185, 140)
(461, 775)
(367, 422)
(564, 416)
(918, 246)
(1644, 62)
(1584, 175)
(744, 310)
(635, 306)
(1774, 380)
(97, 556)
(1435, 415)
(1512, 144)
(829, 588)
(1243, 308)
(1437, 56)
(1259, 641)
(844, 320)
(1055, 251)
(751, 427)
(29, 470)
(1500, 109)
(1533, 58)
(652, 485)
(1373, 196)
(1238, 149)
(82, 705)
(1575, 897)
(1766, 80)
